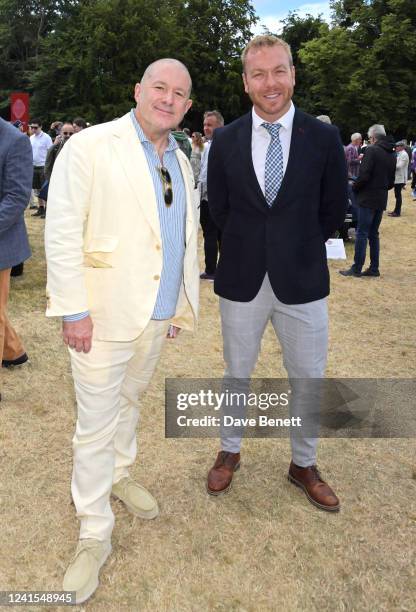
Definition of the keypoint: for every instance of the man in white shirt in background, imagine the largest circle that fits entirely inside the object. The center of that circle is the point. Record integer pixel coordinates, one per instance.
(40, 142)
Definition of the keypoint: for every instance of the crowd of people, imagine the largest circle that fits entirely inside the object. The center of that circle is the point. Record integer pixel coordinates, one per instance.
(373, 169)
(386, 165)
(122, 203)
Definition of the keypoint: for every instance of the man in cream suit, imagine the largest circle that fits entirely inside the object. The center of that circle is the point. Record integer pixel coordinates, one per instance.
(121, 244)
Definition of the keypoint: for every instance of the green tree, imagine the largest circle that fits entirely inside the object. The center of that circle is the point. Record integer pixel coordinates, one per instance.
(363, 68)
(23, 26)
(215, 33)
(297, 31)
(329, 62)
(90, 62)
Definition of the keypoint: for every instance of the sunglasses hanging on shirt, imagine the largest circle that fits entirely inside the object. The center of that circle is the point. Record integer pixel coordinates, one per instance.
(167, 185)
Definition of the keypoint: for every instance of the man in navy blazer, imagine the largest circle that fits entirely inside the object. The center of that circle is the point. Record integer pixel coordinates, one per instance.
(16, 170)
(277, 185)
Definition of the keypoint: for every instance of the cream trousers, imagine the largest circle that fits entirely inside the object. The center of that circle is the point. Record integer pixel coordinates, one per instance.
(108, 383)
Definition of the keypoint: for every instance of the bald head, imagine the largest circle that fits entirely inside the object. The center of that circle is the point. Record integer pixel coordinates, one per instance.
(162, 98)
(166, 62)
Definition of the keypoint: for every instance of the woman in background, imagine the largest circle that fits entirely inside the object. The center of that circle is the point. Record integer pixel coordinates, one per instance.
(197, 149)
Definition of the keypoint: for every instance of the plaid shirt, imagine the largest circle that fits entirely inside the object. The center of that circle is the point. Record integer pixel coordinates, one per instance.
(353, 163)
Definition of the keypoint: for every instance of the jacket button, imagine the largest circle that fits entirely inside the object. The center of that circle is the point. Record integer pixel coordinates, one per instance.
(156, 277)
(158, 247)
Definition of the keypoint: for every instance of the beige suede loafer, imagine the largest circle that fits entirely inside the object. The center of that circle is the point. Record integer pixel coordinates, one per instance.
(82, 573)
(136, 498)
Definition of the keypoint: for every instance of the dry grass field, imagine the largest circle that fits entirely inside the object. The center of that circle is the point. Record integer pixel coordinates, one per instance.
(263, 547)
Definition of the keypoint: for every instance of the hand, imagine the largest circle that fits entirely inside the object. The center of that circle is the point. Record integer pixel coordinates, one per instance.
(173, 331)
(78, 334)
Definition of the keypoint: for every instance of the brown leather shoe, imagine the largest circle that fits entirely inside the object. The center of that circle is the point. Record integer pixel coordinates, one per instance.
(316, 490)
(221, 473)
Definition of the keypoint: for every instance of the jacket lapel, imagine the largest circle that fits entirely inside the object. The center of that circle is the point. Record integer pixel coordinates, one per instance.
(134, 163)
(295, 158)
(244, 141)
(191, 223)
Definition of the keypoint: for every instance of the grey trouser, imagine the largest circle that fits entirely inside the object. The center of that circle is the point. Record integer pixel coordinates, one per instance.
(302, 330)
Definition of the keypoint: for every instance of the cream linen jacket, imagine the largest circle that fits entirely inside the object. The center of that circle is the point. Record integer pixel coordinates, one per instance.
(102, 235)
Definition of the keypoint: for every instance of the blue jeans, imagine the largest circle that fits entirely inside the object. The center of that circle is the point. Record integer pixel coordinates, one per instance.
(368, 223)
(353, 209)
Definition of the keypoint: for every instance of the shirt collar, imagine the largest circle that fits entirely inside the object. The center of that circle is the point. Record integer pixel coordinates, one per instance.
(286, 121)
(172, 144)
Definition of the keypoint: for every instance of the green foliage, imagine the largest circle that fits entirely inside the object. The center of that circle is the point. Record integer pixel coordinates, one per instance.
(91, 62)
(363, 67)
(330, 60)
(297, 31)
(214, 34)
(23, 26)
(88, 62)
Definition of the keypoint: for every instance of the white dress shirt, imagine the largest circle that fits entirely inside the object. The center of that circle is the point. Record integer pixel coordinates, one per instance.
(40, 144)
(260, 140)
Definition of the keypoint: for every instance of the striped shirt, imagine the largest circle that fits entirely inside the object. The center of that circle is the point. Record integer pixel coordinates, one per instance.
(172, 222)
(172, 225)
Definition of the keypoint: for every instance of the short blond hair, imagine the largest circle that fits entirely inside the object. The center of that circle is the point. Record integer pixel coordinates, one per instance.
(265, 40)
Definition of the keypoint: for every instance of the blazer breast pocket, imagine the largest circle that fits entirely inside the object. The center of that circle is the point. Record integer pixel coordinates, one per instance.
(99, 251)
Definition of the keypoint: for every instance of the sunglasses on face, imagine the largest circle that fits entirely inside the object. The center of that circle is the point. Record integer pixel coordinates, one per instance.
(167, 185)
(34, 127)
(67, 133)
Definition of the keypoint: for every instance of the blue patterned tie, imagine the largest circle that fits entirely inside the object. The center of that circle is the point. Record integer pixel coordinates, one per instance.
(273, 170)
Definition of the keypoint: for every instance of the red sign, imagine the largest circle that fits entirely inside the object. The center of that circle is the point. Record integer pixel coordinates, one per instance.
(19, 107)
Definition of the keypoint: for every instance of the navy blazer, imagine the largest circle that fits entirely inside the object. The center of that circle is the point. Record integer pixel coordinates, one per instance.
(16, 171)
(286, 240)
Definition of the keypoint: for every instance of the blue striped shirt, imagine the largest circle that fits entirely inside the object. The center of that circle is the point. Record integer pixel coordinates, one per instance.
(172, 225)
(172, 222)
